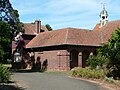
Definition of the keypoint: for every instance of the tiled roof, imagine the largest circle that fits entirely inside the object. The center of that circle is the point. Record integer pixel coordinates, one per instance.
(70, 36)
(44, 28)
(96, 27)
(109, 28)
(30, 28)
(74, 36)
(83, 37)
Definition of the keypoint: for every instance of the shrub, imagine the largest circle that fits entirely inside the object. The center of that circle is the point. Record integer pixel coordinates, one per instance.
(109, 79)
(94, 61)
(4, 74)
(88, 73)
(111, 50)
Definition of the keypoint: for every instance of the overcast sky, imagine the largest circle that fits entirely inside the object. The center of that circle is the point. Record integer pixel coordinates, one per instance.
(66, 13)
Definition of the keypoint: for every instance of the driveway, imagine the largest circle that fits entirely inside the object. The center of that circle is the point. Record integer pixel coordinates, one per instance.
(52, 81)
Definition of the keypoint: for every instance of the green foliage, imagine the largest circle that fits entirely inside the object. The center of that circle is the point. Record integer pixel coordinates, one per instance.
(108, 56)
(5, 39)
(48, 27)
(88, 73)
(17, 26)
(1, 52)
(94, 61)
(111, 50)
(4, 74)
(97, 62)
(8, 26)
(109, 79)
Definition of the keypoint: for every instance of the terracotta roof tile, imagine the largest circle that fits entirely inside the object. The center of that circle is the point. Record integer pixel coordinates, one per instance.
(65, 36)
(74, 36)
(83, 37)
(109, 28)
(96, 27)
(44, 28)
(48, 38)
(30, 28)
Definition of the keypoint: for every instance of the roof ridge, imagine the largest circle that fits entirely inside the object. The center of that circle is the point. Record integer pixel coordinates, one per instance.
(66, 36)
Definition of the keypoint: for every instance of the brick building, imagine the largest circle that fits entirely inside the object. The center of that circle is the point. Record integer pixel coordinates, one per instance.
(65, 48)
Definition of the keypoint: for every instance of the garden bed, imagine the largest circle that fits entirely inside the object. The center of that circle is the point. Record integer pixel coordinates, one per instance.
(95, 76)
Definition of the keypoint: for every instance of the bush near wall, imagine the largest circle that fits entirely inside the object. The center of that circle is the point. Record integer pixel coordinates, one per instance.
(5, 74)
(88, 73)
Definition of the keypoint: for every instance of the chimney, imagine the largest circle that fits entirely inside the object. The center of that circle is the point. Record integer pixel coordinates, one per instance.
(37, 26)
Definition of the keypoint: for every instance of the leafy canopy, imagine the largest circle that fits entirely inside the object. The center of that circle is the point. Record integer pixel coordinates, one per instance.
(48, 27)
(5, 38)
(111, 50)
(109, 55)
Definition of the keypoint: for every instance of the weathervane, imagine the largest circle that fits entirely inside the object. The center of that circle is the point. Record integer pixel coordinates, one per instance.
(103, 3)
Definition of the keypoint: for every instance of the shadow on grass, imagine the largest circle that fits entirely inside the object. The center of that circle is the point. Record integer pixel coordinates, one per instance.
(10, 87)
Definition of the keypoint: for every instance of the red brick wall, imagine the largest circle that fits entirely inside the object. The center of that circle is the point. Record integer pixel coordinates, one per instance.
(57, 59)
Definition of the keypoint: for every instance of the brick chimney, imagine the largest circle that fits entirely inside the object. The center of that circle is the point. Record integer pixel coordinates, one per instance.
(37, 26)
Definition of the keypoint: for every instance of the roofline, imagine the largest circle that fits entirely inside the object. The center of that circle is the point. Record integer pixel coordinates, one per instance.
(64, 44)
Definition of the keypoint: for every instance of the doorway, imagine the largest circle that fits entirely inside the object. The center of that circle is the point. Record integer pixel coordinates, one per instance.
(73, 59)
(85, 56)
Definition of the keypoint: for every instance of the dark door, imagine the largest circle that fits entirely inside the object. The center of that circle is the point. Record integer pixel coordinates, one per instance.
(85, 56)
(73, 59)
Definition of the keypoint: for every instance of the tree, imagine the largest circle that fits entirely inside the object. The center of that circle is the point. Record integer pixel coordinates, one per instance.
(10, 15)
(111, 50)
(96, 62)
(17, 25)
(108, 56)
(48, 27)
(5, 39)
(9, 24)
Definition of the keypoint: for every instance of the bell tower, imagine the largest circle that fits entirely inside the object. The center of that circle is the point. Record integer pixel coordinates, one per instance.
(103, 16)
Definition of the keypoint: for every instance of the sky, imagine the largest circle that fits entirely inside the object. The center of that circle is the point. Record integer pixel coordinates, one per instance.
(66, 13)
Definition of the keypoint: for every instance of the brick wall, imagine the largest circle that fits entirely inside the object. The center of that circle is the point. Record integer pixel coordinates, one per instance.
(56, 60)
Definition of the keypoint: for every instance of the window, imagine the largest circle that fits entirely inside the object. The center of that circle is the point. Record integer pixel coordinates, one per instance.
(103, 17)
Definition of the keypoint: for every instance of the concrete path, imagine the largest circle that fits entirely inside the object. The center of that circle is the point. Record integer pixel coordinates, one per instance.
(52, 81)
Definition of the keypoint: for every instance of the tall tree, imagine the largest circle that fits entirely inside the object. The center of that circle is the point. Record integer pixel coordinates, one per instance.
(111, 50)
(9, 23)
(5, 40)
(10, 15)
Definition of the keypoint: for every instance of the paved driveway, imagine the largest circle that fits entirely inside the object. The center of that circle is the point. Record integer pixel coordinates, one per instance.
(50, 81)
